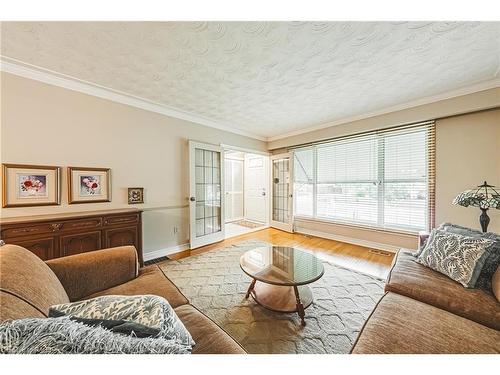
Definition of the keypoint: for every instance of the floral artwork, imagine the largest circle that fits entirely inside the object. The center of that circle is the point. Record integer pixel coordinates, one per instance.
(90, 185)
(135, 195)
(32, 186)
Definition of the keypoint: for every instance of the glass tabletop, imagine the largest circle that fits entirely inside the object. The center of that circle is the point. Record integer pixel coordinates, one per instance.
(281, 265)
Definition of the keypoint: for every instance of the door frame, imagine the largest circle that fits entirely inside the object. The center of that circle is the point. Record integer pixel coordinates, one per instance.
(244, 149)
(287, 227)
(267, 155)
(195, 242)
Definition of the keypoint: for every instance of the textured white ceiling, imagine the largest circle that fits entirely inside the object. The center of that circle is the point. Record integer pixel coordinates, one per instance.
(268, 78)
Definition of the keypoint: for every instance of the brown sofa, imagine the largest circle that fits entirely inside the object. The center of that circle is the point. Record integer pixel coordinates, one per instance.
(29, 286)
(424, 311)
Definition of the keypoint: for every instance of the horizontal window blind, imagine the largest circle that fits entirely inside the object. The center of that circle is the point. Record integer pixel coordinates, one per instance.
(383, 179)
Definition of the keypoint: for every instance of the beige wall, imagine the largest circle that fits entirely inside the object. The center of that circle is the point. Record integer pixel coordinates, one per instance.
(44, 124)
(467, 153)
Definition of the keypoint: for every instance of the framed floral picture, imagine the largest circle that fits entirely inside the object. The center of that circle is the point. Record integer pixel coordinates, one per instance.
(89, 185)
(30, 185)
(135, 195)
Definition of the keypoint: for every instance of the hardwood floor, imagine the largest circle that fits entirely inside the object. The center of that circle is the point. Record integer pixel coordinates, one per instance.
(362, 259)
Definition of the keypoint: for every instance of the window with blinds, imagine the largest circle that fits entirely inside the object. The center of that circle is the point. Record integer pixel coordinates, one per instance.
(383, 179)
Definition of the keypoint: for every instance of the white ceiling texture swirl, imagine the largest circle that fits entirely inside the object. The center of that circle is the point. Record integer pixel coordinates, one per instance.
(264, 78)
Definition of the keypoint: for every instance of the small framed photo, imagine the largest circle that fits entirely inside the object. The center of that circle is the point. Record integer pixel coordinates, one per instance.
(89, 185)
(135, 195)
(30, 185)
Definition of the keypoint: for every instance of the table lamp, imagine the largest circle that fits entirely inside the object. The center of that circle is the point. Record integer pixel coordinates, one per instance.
(483, 196)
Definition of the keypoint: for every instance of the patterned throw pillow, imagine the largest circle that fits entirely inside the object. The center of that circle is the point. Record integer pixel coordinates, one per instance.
(149, 310)
(491, 263)
(459, 257)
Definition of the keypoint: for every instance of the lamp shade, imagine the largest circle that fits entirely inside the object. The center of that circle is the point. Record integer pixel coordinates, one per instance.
(484, 196)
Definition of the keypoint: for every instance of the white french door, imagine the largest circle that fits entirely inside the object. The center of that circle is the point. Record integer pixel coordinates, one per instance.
(282, 188)
(206, 203)
(233, 171)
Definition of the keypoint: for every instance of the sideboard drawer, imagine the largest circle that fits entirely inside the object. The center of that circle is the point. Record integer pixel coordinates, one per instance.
(30, 230)
(82, 224)
(122, 219)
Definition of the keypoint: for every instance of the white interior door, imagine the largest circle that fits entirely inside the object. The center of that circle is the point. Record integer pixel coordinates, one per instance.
(233, 172)
(256, 188)
(206, 206)
(282, 188)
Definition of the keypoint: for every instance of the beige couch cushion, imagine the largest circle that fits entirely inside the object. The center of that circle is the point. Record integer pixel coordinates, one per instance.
(27, 278)
(15, 308)
(209, 337)
(403, 325)
(151, 280)
(411, 279)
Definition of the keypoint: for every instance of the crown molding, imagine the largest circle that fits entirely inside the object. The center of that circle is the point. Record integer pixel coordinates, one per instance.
(50, 77)
(30, 71)
(481, 86)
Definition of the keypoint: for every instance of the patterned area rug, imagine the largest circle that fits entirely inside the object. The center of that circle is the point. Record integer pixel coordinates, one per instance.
(215, 284)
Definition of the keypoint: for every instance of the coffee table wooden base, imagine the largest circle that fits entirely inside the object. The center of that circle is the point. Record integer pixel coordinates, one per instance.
(286, 299)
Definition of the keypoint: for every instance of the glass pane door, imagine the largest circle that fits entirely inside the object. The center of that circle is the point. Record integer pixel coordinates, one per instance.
(234, 189)
(206, 203)
(281, 212)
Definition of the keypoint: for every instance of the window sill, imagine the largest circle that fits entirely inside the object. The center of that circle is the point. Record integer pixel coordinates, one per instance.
(402, 232)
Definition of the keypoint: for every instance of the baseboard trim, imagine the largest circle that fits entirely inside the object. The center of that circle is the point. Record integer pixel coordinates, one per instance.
(150, 255)
(351, 240)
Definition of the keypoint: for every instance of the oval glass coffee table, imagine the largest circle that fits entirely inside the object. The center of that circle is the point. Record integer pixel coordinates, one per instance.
(280, 277)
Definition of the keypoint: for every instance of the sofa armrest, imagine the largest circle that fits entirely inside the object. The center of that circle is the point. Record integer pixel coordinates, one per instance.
(87, 273)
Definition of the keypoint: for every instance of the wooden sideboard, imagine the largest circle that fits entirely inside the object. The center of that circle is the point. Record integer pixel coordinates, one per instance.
(54, 236)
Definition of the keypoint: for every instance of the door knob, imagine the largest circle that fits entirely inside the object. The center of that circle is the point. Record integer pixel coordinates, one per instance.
(192, 199)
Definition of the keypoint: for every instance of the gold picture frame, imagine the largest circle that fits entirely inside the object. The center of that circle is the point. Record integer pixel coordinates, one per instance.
(89, 185)
(26, 185)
